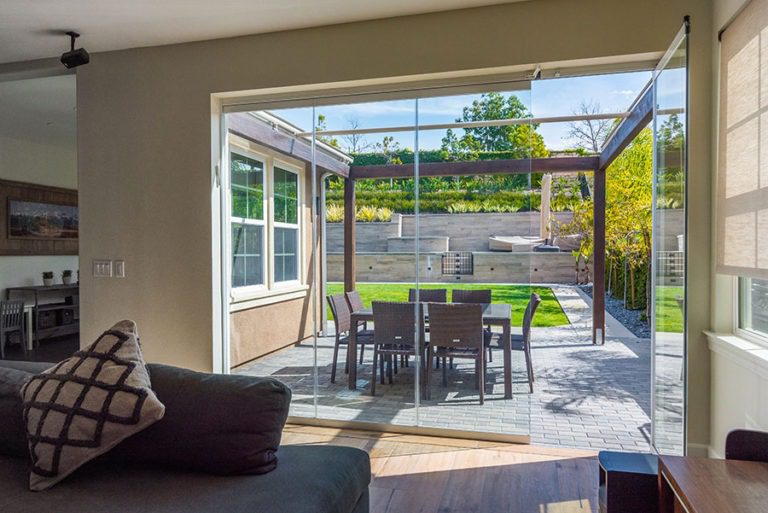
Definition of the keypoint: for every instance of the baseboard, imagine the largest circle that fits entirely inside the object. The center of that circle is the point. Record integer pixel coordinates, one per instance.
(698, 450)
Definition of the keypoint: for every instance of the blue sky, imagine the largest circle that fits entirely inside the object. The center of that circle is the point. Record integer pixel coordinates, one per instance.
(553, 97)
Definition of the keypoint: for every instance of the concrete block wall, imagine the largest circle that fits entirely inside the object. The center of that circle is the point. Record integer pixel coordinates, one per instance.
(488, 268)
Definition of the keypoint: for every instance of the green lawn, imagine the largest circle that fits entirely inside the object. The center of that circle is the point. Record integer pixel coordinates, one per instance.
(669, 317)
(548, 314)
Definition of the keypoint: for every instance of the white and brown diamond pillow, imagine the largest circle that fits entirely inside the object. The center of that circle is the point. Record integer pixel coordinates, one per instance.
(87, 404)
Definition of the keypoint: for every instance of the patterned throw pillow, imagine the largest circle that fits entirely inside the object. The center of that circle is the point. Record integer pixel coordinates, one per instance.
(87, 404)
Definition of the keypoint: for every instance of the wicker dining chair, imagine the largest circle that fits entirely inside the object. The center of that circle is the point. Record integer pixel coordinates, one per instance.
(355, 304)
(482, 296)
(342, 321)
(395, 335)
(428, 295)
(11, 321)
(522, 342)
(456, 331)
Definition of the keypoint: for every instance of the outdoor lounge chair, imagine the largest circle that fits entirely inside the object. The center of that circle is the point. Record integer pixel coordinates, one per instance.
(457, 332)
(394, 335)
(343, 322)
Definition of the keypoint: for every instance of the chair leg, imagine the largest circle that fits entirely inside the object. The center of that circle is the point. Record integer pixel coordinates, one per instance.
(394, 363)
(477, 370)
(389, 367)
(362, 350)
(335, 360)
(481, 375)
(375, 361)
(490, 354)
(451, 361)
(381, 366)
(445, 374)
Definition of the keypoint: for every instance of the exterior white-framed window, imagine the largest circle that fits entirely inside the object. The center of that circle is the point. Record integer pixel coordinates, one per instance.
(286, 226)
(247, 214)
(752, 312)
(265, 218)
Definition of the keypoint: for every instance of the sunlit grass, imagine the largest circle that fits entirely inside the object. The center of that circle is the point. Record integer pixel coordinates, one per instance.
(548, 314)
(669, 316)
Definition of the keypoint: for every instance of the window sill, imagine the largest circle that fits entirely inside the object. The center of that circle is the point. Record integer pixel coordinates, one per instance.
(267, 297)
(746, 353)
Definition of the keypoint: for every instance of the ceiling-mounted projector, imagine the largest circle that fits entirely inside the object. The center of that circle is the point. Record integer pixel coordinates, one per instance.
(74, 58)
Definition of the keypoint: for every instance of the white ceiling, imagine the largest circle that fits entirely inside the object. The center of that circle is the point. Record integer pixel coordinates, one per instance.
(41, 110)
(33, 29)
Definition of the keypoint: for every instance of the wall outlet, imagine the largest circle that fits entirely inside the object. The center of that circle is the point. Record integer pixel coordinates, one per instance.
(102, 268)
(119, 268)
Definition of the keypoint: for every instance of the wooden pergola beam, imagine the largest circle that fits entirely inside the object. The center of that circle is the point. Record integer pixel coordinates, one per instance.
(477, 167)
(247, 126)
(598, 263)
(349, 235)
(639, 116)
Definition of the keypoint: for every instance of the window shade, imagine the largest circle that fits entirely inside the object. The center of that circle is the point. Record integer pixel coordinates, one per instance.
(742, 183)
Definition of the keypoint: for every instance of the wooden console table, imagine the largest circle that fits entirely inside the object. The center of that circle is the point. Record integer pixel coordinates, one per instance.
(59, 328)
(701, 485)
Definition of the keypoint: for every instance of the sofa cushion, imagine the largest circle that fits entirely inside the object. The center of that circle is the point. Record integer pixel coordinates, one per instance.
(221, 424)
(87, 404)
(309, 479)
(13, 438)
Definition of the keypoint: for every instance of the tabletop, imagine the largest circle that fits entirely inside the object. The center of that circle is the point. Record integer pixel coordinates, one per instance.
(492, 312)
(706, 485)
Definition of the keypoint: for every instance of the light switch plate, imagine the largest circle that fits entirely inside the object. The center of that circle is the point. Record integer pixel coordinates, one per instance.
(119, 268)
(102, 268)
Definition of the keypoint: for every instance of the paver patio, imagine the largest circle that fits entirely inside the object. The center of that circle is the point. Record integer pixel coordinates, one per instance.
(585, 396)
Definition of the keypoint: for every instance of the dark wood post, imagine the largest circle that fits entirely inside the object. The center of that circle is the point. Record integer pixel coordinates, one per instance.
(349, 235)
(598, 259)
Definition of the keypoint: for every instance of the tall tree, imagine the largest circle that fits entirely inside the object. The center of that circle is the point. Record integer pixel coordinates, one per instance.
(589, 134)
(322, 126)
(355, 143)
(521, 140)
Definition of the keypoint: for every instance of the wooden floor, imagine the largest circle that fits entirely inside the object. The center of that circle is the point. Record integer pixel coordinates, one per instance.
(441, 475)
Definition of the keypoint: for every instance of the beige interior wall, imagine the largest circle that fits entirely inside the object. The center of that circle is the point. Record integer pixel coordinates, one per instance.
(144, 121)
(737, 385)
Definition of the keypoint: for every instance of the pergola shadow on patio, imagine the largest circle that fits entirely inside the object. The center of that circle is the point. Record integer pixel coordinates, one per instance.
(585, 396)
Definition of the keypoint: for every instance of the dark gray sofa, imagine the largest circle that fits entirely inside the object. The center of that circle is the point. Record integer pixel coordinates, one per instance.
(308, 479)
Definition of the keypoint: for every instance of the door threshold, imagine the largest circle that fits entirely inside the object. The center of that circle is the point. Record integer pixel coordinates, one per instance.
(412, 430)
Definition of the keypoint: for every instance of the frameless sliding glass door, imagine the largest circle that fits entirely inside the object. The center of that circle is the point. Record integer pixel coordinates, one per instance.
(669, 248)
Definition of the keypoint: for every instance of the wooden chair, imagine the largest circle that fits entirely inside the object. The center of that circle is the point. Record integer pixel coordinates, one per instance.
(356, 303)
(429, 295)
(343, 322)
(456, 331)
(11, 321)
(523, 342)
(747, 445)
(482, 296)
(395, 335)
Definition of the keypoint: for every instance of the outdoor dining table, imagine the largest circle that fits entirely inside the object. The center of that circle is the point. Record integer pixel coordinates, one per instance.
(494, 314)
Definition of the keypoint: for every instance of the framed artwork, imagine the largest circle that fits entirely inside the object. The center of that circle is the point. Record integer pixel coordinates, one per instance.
(40, 220)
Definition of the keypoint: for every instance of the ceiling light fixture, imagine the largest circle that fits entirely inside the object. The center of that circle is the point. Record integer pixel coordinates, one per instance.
(74, 58)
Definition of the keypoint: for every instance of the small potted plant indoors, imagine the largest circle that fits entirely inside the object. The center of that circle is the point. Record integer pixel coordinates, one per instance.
(66, 277)
(48, 278)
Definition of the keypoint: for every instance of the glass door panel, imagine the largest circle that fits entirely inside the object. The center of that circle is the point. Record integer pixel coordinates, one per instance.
(669, 249)
(461, 216)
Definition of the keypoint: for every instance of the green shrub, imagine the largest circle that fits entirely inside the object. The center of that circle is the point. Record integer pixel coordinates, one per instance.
(334, 213)
(365, 214)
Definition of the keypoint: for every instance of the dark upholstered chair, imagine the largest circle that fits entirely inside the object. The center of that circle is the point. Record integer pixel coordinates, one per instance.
(11, 321)
(482, 296)
(343, 323)
(523, 342)
(428, 295)
(744, 444)
(456, 331)
(395, 335)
